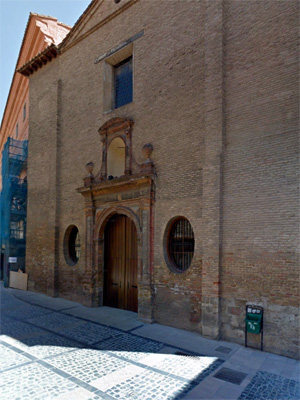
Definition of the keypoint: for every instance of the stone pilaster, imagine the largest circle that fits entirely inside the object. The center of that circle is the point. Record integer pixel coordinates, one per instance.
(145, 299)
(54, 198)
(212, 169)
(89, 280)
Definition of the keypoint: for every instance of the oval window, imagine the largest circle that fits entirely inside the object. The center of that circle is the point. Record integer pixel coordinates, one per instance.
(180, 244)
(72, 245)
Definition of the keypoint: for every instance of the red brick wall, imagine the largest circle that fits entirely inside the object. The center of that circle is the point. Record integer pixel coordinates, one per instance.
(260, 262)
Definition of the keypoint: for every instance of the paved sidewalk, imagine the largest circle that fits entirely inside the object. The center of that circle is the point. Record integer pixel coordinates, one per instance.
(58, 349)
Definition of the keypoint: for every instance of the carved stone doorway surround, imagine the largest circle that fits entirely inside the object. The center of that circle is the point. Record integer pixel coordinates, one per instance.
(132, 195)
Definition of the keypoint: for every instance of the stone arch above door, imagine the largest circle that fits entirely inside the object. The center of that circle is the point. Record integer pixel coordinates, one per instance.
(102, 217)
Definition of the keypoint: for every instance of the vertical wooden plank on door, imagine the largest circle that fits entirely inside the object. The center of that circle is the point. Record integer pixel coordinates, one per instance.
(131, 267)
(127, 257)
(122, 262)
(114, 257)
(111, 295)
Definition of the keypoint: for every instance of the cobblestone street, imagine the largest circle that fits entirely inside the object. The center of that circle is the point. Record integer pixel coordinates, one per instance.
(54, 348)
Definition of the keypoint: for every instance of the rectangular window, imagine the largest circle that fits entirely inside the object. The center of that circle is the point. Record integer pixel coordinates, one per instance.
(17, 131)
(123, 83)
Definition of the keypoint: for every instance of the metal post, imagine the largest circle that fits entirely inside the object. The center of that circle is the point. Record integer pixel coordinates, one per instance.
(245, 334)
(6, 273)
(262, 333)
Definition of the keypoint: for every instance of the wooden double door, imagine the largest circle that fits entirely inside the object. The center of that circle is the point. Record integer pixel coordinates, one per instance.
(120, 272)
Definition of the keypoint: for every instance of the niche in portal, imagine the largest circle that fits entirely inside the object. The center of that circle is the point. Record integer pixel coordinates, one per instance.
(116, 158)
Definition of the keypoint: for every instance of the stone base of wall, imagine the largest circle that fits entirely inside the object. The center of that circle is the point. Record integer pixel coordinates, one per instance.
(281, 326)
(173, 307)
(211, 317)
(36, 282)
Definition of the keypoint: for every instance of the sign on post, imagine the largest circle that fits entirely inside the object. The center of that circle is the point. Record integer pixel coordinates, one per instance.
(254, 322)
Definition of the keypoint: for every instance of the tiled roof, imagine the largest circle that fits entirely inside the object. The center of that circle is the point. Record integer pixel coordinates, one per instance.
(56, 42)
(54, 32)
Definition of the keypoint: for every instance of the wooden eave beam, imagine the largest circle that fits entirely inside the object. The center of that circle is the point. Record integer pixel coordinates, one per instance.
(53, 52)
(39, 61)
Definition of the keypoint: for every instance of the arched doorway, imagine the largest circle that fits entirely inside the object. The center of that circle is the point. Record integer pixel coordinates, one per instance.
(120, 266)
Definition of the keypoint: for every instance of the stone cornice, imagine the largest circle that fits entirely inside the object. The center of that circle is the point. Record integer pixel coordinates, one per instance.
(117, 185)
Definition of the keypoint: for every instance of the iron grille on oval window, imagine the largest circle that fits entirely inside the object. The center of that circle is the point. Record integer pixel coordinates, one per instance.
(181, 245)
(123, 82)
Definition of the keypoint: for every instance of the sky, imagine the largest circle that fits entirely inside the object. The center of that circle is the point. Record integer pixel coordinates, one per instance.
(14, 15)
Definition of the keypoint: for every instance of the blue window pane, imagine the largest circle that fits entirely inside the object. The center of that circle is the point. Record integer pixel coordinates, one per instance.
(123, 83)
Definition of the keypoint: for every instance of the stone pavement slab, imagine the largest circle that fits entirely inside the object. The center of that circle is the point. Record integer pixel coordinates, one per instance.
(59, 349)
(48, 302)
(121, 319)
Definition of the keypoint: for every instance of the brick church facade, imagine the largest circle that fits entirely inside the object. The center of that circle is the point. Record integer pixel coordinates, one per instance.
(163, 162)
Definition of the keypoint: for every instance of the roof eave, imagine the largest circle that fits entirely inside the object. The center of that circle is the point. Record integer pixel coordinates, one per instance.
(42, 58)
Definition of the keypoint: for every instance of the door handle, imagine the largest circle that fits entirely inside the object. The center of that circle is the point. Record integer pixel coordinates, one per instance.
(115, 284)
(135, 287)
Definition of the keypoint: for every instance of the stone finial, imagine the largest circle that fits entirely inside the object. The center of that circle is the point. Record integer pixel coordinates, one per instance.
(90, 177)
(147, 151)
(90, 168)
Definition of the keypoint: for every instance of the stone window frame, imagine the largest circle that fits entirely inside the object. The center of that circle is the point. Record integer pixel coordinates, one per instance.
(109, 77)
